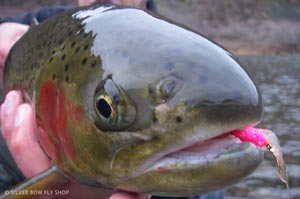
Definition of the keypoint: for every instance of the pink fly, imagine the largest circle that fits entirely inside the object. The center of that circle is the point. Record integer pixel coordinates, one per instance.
(268, 139)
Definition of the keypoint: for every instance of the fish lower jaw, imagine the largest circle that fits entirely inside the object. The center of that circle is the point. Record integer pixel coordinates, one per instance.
(199, 153)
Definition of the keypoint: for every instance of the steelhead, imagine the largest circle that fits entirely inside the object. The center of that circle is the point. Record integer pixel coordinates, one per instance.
(127, 100)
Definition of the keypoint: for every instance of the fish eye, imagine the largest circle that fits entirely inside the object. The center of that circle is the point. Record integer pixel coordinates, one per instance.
(113, 107)
(104, 106)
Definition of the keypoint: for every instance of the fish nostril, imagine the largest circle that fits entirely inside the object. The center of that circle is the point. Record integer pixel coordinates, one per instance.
(166, 88)
(163, 90)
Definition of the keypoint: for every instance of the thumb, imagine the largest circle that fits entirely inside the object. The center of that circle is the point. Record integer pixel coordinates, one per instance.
(24, 145)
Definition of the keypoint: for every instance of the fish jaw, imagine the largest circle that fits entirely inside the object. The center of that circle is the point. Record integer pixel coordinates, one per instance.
(195, 146)
(195, 167)
(199, 153)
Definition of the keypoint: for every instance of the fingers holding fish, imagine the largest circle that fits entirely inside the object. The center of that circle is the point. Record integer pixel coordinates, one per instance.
(8, 112)
(24, 145)
(18, 127)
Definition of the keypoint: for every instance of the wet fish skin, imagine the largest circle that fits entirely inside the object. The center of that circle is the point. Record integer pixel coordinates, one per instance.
(167, 87)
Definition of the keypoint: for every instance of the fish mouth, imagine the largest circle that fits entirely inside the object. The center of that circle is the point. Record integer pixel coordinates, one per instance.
(200, 153)
(197, 167)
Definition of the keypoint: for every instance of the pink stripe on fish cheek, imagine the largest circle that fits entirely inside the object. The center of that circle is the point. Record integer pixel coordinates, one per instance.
(46, 114)
(62, 126)
(52, 123)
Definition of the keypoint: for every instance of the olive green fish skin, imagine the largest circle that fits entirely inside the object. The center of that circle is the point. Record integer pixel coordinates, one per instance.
(170, 87)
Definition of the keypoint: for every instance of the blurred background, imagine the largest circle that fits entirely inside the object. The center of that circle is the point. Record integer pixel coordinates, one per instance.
(265, 36)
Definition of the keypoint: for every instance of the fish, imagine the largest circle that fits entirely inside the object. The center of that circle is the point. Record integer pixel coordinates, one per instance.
(126, 100)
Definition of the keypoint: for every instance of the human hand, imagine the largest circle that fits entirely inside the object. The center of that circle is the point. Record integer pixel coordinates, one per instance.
(9, 33)
(19, 131)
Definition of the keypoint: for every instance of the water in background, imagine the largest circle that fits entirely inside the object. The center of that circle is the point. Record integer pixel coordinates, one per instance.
(278, 78)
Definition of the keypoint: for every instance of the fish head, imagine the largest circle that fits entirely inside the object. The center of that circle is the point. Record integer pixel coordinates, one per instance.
(151, 112)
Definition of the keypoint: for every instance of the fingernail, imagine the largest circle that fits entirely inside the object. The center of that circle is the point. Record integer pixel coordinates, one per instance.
(21, 113)
(9, 103)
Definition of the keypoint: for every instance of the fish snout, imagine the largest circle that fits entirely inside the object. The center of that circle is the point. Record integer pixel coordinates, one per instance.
(218, 91)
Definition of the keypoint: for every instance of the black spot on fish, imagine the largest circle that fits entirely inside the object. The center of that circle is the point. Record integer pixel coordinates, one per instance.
(192, 65)
(203, 79)
(85, 35)
(79, 27)
(70, 33)
(53, 52)
(77, 49)
(67, 79)
(50, 60)
(86, 47)
(154, 119)
(125, 53)
(66, 67)
(63, 57)
(169, 66)
(151, 90)
(84, 61)
(53, 76)
(141, 38)
(73, 44)
(178, 119)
